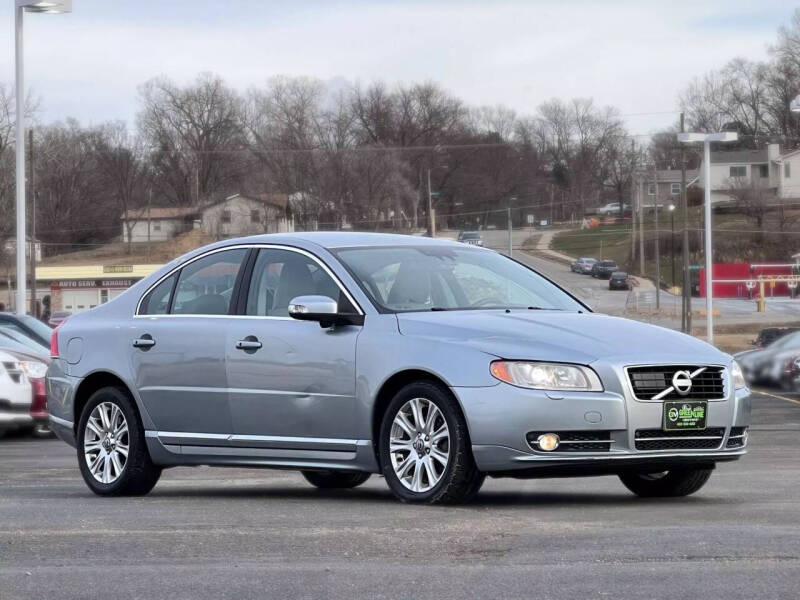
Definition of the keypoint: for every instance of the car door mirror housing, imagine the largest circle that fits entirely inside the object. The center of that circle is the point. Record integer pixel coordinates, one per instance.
(322, 309)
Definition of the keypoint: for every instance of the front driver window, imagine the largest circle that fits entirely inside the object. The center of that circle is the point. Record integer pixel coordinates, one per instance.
(281, 275)
(206, 285)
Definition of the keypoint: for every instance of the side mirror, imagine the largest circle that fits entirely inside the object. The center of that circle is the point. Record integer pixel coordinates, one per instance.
(322, 309)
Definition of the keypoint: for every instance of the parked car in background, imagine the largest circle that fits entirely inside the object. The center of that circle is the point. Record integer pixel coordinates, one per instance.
(769, 334)
(619, 280)
(582, 265)
(32, 360)
(603, 269)
(612, 209)
(766, 366)
(790, 379)
(58, 317)
(27, 325)
(471, 237)
(15, 395)
(341, 355)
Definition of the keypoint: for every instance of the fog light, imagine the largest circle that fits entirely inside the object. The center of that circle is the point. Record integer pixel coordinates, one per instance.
(547, 442)
(745, 436)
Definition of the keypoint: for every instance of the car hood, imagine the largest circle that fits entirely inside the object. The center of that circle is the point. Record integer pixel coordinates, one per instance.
(559, 336)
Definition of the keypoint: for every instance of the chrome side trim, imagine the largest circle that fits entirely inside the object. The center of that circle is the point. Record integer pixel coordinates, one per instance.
(62, 422)
(223, 390)
(305, 253)
(263, 441)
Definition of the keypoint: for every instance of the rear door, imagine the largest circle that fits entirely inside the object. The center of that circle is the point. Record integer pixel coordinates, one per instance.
(178, 349)
(292, 383)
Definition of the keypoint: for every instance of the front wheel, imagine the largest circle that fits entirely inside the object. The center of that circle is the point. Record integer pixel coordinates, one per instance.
(332, 480)
(424, 447)
(667, 484)
(112, 453)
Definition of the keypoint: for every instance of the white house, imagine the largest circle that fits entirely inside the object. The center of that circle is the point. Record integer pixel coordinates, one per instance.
(730, 168)
(788, 167)
(247, 214)
(239, 214)
(777, 173)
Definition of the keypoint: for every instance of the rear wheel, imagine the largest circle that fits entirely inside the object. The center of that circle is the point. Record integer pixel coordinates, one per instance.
(112, 453)
(330, 480)
(674, 483)
(424, 445)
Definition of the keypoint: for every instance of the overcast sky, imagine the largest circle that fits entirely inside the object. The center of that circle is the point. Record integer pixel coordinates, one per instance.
(634, 55)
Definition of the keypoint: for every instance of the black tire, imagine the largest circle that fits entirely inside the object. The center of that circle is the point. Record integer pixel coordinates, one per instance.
(139, 474)
(678, 482)
(335, 480)
(461, 479)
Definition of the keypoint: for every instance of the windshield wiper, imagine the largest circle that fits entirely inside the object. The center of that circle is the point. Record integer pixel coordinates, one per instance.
(439, 309)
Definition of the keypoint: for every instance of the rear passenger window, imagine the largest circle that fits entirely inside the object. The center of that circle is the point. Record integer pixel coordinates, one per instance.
(157, 301)
(206, 285)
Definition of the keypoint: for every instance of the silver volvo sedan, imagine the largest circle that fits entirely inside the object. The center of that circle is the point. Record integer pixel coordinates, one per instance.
(430, 362)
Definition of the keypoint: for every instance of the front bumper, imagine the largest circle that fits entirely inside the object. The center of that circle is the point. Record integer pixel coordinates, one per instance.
(500, 417)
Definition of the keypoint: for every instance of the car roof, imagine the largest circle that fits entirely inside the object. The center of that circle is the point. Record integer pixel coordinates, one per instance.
(346, 239)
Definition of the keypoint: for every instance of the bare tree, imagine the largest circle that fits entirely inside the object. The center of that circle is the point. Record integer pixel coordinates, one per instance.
(123, 170)
(72, 204)
(751, 198)
(194, 135)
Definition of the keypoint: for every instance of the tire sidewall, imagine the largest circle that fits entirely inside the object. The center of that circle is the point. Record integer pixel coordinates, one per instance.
(455, 426)
(135, 438)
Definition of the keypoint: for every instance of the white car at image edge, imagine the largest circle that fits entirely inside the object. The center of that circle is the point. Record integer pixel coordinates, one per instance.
(15, 395)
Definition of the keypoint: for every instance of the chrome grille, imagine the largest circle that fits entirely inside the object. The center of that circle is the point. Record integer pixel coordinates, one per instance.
(648, 382)
(658, 439)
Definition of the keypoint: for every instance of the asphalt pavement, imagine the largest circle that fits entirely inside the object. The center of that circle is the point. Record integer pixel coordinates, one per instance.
(236, 533)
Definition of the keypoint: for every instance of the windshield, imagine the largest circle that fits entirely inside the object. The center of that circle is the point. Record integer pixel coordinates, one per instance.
(406, 279)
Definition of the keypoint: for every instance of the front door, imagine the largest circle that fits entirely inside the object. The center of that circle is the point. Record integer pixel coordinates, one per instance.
(292, 383)
(178, 350)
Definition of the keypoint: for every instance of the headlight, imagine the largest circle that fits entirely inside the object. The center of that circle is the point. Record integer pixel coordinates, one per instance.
(546, 376)
(738, 377)
(33, 368)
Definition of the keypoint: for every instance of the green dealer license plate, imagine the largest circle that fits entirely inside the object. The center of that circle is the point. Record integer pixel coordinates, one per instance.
(680, 415)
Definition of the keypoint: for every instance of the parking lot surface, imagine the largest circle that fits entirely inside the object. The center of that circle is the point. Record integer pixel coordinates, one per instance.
(233, 533)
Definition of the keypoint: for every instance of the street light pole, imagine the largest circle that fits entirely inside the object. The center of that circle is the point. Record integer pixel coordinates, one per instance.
(658, 239)
(672, 240)
(20, 7)
(431, 224)
(709, 247)
(20, 150)
(707, 138)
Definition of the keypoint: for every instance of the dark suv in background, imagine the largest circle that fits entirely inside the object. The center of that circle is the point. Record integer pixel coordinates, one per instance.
(603, 269)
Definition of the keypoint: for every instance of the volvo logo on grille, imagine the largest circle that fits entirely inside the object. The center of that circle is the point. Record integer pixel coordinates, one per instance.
(682, 382)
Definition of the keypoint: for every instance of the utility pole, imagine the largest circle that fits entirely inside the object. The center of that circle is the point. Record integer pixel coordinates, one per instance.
(431, 221)
(658, 239)
(510, 227)
(32, 182)
(686, 308)
(634, 204)
(641, 229)
(149, 219)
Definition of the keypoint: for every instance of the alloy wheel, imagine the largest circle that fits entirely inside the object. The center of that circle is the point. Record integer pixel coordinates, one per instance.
(106, 442)
(419, 445)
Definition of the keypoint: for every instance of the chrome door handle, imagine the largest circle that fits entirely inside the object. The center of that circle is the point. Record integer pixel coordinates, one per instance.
(144, 342)
(249, 343)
